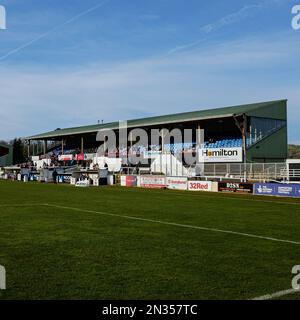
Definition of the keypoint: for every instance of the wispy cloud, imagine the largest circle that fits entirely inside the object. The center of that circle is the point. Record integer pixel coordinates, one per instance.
(54, 29)
(230, 18)
(211, 27)
(227, 20)
(50, 98)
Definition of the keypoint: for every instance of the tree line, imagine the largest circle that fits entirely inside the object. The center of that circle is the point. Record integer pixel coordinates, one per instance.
(19, 149)
(294, 151)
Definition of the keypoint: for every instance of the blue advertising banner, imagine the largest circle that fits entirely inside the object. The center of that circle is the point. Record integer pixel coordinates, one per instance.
(297, 187)
(286, 190)
(32, 177)
(277, 189)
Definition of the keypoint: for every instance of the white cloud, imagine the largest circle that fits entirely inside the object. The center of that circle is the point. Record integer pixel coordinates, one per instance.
(53, 29)
(224, 21)
(36, 100)
(230, 18)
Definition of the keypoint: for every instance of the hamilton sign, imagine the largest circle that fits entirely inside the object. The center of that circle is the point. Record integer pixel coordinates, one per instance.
(214, 155)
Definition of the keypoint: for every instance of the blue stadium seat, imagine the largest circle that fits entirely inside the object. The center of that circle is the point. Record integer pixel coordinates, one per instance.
(225, 143)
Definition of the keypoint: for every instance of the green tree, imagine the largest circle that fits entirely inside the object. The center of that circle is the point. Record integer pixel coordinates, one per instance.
(294, 151)
(18, 151)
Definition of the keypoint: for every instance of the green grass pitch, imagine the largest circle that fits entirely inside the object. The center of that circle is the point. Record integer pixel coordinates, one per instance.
(125, 243)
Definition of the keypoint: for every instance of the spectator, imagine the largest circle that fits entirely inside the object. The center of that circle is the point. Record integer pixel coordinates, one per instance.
(54, 175)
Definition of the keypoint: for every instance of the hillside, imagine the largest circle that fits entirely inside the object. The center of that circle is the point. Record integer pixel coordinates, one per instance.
(294, 151)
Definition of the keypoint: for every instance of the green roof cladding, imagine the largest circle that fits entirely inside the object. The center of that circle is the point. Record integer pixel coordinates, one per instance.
(270, 109)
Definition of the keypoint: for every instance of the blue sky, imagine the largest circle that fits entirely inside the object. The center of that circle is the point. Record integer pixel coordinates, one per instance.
(73, 62)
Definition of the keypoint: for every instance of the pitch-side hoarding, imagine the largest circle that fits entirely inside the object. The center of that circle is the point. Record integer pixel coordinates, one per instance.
(178, 183)
(236, 187)
(129, 181)
(277, 189)
(200, 186)
(153, 181)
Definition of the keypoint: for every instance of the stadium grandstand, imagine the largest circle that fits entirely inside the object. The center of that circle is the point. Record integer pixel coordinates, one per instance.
(233, 140)
(262, 127)
(242, 142)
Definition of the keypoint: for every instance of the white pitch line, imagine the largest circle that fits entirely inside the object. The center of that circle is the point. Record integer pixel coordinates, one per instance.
(22, 205)
(175, 224)
(277, 294)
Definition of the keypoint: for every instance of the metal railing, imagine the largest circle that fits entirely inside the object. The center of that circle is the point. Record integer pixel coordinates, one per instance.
(220, 171)
(254, 171)
(291, 173)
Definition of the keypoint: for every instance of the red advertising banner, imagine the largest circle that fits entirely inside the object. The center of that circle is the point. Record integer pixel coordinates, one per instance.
(80, 157)
(129, 181)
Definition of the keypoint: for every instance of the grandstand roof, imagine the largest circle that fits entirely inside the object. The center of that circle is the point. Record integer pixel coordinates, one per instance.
(4, 145)
(159, 120)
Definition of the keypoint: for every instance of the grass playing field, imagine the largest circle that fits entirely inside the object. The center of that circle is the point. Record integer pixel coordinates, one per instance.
(62, 242)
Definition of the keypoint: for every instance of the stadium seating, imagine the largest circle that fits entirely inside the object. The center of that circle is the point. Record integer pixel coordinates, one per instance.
(172, 148)
(225, 143)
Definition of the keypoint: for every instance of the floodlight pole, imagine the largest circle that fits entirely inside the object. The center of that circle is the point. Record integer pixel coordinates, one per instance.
(243, 128)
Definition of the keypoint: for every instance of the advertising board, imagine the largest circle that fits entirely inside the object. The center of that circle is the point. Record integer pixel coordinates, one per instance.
(153, 181)
(89, 156)
(235, 187)
(129, 181)
(84, 157)
(79, 157)
(177, 183)
(60, 178)
(199, 185)
(65, 157)
(277, 189)
(83, 183)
